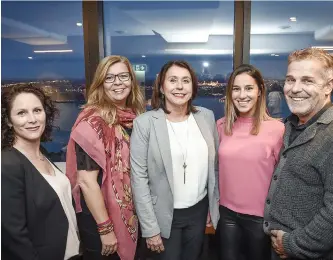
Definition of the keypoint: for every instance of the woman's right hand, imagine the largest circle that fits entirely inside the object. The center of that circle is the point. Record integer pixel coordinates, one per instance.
(155, 243)
(109, 243)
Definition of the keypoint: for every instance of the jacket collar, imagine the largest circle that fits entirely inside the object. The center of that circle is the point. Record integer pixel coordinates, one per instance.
(309, 133)
(327, 117)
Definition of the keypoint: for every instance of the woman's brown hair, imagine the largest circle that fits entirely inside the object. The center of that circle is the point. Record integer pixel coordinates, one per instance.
(7, 98)
(96, 97)
(230, 110)
(158, 99)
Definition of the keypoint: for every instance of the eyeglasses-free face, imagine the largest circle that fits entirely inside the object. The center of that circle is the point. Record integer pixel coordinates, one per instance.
(177, 87)
(306, 88)
(27, 117)
(245, 94)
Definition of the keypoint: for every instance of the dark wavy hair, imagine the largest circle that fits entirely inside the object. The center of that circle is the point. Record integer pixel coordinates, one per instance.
(158, 101)
(7, 98)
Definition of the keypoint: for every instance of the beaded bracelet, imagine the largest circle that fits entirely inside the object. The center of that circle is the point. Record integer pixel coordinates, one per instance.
(105, 227)
(106, 230)
(110, 226)
(104, 223)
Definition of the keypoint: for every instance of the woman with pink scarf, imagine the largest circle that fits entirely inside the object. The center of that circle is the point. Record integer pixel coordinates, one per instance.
(97, 162)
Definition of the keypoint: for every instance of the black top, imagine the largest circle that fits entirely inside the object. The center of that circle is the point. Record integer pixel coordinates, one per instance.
(85, 162)
(34, 225)
(296, 129)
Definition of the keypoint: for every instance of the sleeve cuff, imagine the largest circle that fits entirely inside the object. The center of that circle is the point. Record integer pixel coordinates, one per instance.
(151, 232)
(286, 245)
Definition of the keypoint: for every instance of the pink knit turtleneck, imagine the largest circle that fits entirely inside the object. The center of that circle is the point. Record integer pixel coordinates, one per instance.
(246, 164)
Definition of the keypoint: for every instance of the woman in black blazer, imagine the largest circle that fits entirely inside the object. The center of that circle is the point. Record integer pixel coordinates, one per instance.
(37, 219)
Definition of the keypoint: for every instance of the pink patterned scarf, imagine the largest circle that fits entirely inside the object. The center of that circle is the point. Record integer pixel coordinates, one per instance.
(108, 146)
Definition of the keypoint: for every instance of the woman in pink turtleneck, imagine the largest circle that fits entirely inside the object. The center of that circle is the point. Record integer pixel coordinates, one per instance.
(250, 142)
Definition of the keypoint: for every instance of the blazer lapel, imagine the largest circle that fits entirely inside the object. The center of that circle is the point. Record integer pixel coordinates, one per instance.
(204, 129)
(162, 136)
(207, 134)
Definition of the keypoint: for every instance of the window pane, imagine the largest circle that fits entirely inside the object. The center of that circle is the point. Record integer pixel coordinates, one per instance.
(150, 33)
(277, 29)
(42, 44)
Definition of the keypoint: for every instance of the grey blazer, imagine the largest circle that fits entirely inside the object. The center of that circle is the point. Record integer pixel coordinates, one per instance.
(151, 170)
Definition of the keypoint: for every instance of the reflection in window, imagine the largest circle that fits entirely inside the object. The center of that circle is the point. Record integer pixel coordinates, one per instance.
(277, 29)
(43, 45)
(150, 33)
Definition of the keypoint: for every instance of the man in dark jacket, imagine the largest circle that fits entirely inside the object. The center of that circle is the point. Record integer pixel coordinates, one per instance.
(299, 206)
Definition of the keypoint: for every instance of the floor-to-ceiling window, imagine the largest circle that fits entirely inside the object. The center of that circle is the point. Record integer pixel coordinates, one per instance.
(277, 29)
(42, 44)
(150, 33)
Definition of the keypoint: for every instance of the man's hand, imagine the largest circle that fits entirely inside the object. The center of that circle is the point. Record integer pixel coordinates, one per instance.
(155, 243)
(209, 221)
(277, 245)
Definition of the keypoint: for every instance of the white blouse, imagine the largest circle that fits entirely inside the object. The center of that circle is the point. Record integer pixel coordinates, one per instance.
(61, 185)
(185, 137)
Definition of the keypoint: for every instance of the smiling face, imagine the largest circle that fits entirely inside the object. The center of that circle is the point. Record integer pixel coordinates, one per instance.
(245, 93)
(118, 84)
(306, 88)
(177, 87)
(27, 117)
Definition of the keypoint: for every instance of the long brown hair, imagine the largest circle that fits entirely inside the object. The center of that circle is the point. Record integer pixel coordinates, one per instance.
(158, 100)
(98, 99)
(231, 112)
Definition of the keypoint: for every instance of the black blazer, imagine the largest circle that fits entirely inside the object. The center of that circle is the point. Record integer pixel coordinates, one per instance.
(33, 222)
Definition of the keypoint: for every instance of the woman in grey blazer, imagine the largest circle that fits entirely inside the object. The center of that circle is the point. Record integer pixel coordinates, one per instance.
(173, 166)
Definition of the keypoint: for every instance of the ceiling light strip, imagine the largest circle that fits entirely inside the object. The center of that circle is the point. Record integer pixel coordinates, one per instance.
(53, 51)
(328, 48)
